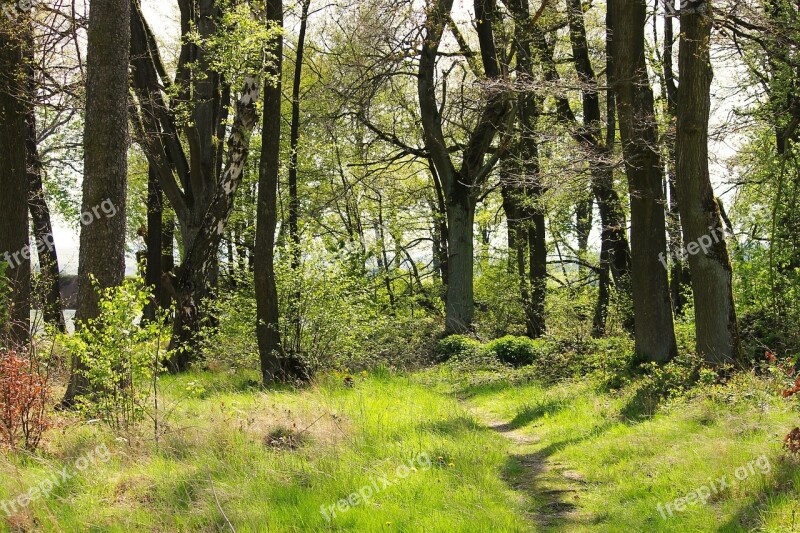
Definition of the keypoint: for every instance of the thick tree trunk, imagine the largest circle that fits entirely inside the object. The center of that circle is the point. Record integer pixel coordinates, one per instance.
(200, 259)
(14, 244)
(102, 240)
(715, 316)
(654, 329)
(460, 293)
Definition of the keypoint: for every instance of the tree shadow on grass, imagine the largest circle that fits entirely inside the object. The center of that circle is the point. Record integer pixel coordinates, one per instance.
(781, 485)
(454, 426)
(641, 406)
(532, 412)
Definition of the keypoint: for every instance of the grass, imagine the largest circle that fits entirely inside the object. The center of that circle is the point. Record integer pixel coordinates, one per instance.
(628, 465)
(342, 438)
(565, 457)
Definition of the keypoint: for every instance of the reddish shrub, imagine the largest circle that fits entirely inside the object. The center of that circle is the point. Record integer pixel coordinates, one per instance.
(23, 402)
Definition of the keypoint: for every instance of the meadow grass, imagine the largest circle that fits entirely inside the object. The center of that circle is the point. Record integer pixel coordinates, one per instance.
(289, 459)
(342, 439)
(631, 460)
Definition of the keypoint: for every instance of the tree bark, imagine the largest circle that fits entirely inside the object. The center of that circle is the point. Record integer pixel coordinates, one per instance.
(460, 308)
(200, 258)
(275, 365)
(715, 315)
(461, 187)
(154, 268)
(679, 279)
(102, 240)
(615, 252)
(654, 330)
(14, 243)
(49, 292)
(294, 199)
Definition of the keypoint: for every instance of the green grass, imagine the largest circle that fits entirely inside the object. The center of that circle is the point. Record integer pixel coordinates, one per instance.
(631, 464)
(351, 438)
(277, 458)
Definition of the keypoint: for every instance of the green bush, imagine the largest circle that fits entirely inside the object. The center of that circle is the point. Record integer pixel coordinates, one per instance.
(456, 346)
(121, 358)
(517, 351)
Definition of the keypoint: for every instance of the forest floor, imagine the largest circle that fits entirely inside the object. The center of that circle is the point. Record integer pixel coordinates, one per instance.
(436, 450)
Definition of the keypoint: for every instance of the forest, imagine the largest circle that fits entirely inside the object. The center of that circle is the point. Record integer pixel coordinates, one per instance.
(399, 265)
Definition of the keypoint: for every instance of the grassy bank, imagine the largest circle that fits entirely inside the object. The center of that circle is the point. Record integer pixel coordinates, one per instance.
(387, 452)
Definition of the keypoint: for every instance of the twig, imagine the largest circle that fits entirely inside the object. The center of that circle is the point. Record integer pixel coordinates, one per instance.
(208, 471)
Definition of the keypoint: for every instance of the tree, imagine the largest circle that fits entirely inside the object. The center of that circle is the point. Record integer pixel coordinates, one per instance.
(461, 186)
(654, 329)
(275, 365)
(715, 315)
(14, 242)
(199, 177)
(101, 261)
(522, 193)
(679, 272)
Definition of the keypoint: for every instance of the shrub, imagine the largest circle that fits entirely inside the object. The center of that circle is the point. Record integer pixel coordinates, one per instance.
(120, 358)
(516, 351)
(23, 402)
(456, 346)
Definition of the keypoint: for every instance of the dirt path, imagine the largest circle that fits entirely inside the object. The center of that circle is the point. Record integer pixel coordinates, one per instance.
(550, 489)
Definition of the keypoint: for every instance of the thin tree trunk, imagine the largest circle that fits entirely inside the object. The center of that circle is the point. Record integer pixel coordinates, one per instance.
(102, 242)
(654, 329)
(679, 279)
(275, 365)
(294, 199)
(52, 308)
(715, 315)
(154, 269)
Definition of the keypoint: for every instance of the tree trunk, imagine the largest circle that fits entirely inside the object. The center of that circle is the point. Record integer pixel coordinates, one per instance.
(679, 279)
(654, 329)
(715, 316)
(460, 292)
(537, 247)
(52, 308)
(294, 200)
(200, 258)
(167, 259)
(102, 240)
(154, 268)
(461, 187)
(275, 366)
(583, 225)
(49, 295)
(14, 244)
